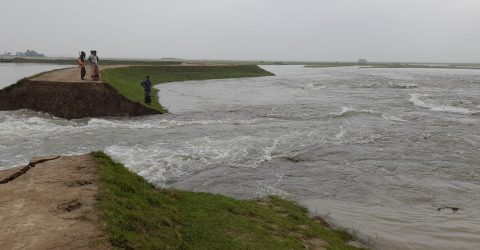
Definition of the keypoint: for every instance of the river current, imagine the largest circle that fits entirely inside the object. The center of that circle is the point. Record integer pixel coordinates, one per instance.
(385, 153)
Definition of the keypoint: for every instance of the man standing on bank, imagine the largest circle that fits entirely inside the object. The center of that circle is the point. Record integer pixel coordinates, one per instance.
(147, 86)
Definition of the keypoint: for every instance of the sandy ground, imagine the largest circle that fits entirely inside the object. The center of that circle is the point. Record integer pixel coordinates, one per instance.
(51, 206)
(64, 75)
(70, 74)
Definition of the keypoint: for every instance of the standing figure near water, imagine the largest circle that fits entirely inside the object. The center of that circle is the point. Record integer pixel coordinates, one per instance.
(93, 59)
(147, 86)
(81, 64)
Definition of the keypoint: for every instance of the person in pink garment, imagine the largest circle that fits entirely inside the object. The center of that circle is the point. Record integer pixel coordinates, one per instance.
(93, 59)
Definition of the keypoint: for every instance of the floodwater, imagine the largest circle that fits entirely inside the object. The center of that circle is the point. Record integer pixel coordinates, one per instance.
(381, 152)
(12, 72)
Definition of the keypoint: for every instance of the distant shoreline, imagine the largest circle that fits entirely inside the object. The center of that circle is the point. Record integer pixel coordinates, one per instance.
(396, 66)
(178, 61)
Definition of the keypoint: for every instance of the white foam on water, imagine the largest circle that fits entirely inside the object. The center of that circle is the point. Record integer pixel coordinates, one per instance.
(349, 111)
(405, 85)
(340, 135)
(311, 86)
(426, 101)
(346, 111)
(13, 124)
(267, 156)
(103, 123)
(141, 161)
(161, 123)
(156, 162)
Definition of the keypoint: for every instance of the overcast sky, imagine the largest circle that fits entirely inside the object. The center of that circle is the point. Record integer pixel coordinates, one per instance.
(324, 30)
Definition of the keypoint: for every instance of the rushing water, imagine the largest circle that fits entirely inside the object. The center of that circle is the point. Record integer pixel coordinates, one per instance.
(378, 151)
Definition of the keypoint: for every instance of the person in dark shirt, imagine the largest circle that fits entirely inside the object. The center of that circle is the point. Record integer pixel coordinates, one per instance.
(81, 63)
(147, 86)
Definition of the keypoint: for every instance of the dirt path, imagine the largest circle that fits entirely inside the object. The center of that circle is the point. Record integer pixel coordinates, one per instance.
(51, 205)
(70, 74)
(64, 75)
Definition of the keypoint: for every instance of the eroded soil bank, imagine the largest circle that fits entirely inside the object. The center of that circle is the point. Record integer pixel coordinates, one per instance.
(70, 100)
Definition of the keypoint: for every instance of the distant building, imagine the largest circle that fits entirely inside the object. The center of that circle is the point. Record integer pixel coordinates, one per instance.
(362, 61)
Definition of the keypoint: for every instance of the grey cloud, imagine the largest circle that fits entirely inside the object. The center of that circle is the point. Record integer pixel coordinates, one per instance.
(380, 30)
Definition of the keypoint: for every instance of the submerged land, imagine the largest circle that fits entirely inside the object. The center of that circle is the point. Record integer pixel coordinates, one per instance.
(92, 202)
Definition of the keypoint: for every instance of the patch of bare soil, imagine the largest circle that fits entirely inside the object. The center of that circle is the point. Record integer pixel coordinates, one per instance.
(70, 100)
(64, 75)
(69, 75)
(51, 205)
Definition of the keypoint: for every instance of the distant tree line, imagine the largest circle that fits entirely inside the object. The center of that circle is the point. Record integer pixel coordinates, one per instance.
(28, 53)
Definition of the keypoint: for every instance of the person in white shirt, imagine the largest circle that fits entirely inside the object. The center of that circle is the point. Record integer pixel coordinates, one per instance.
(93, 59)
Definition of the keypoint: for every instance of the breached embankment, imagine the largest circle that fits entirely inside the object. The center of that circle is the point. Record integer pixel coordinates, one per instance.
(91, 202)
(70, 100)
(62, 93)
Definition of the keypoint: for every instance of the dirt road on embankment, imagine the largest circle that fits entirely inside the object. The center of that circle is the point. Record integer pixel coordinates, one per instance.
(49, 204)
(64, 75)
(63, 94)
(69, 75)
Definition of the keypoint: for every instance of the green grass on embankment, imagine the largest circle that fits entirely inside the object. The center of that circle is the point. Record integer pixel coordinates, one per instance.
(126, 80)
(136, 215)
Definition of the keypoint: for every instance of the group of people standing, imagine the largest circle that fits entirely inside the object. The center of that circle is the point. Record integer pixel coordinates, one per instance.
(93, 59)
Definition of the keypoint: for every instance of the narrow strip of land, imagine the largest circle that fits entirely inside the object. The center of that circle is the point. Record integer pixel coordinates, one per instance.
(63, 94)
